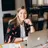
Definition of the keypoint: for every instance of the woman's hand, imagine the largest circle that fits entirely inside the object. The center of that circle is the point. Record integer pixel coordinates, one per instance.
(28, 21)
(18, 40)
(25, 38)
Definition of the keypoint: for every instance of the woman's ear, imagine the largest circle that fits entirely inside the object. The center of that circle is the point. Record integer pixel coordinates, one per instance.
(17, 15)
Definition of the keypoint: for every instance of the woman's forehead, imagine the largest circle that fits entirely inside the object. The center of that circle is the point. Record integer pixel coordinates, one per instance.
(22, 10)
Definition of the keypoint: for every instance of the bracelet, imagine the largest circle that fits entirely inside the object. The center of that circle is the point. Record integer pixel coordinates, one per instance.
(31, 25)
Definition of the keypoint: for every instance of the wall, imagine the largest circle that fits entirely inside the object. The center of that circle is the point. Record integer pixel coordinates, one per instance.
(46, 2)
(20, 3)
(40, 2)
(34, 2)
(1, 25)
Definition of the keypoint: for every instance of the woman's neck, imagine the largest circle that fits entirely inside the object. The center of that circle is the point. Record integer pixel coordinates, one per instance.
(22, 23)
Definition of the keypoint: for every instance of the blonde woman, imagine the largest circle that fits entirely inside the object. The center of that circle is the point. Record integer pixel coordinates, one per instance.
(19, 26)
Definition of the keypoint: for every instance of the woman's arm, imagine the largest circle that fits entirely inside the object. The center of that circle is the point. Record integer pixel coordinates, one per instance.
(18, 40)
(28, 21)
(32, 29)
(8, 34)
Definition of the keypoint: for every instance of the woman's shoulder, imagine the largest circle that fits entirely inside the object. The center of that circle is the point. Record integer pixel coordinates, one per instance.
(10, 23)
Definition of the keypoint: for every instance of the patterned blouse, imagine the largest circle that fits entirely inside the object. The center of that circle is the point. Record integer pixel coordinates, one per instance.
(14, 32)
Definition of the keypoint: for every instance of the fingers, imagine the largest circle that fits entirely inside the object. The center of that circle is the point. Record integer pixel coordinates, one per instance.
(28, 21)
(9, 39)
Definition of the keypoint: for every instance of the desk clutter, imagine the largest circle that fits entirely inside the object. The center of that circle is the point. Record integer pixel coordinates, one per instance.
(11, 45)
(14, 45)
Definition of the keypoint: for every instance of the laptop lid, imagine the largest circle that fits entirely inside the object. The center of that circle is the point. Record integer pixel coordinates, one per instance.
(37, 38)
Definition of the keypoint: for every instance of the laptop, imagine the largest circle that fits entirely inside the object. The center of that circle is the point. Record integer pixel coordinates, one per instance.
(37, 38)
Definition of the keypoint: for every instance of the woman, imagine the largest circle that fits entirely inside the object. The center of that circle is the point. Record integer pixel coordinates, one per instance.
(19, 26)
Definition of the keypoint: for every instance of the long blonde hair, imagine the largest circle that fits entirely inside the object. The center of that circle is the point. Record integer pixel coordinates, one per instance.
(16, 21)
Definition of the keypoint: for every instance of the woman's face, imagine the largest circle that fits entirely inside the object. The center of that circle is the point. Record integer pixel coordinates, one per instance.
(22, 14)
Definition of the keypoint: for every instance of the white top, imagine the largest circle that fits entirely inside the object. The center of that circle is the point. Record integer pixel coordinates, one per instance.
(22, 31)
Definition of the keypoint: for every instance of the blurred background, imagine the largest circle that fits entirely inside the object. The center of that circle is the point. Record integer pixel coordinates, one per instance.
(37, 12)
